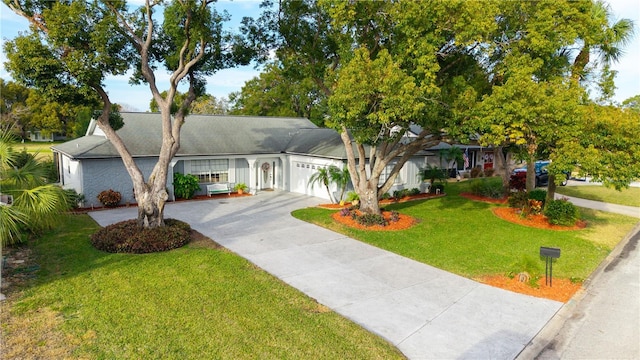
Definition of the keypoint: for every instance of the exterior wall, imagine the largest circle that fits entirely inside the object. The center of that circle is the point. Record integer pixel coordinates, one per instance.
(242, 171)
(105, 174)
(71, 174)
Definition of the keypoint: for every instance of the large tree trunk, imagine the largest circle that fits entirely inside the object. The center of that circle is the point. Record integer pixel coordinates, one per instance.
(551, 189)
(368, 197)
(503, 168)
(151, 208)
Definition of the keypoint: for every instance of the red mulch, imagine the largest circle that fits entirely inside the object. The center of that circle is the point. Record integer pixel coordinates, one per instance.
(561, 289)
(386, 201)
(404, 222)
(475, 197)
(537, 221)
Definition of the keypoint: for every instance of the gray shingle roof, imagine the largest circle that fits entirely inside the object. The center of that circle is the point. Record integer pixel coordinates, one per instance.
(200, 135)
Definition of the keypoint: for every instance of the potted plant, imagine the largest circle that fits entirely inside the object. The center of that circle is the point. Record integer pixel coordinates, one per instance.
(241, 188)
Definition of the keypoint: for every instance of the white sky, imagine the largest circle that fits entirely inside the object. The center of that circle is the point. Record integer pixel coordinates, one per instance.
(230, 80)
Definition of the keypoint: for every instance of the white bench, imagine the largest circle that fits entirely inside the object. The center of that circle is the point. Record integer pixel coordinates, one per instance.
(219, 188)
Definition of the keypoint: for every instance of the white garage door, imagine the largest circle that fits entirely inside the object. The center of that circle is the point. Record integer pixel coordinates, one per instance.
(301, 172)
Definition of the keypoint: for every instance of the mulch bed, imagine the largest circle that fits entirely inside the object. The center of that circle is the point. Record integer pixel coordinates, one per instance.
(387, 201)
(561, 289)
(537, 221)
(404, 222)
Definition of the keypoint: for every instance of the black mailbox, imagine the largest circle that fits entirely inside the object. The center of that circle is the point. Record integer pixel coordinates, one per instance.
(553, 253)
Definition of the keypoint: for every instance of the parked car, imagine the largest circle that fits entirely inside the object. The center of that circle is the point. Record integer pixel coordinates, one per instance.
(542, 173)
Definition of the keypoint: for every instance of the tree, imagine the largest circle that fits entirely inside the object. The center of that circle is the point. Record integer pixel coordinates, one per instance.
(632, 103)
(383, 66)
(341, 178)
(322, 176)
(115, 38)
(14, 112)
(275, 93)
(36, 204)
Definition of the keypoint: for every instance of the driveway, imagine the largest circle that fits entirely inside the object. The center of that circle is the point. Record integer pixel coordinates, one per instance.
(426, 312)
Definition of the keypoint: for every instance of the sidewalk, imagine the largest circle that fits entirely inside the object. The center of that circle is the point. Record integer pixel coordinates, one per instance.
(426, 312)
(603, 321)
(597, 205)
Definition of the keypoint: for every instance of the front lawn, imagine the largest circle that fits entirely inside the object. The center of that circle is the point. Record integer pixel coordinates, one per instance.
(464, 237)
(629, 197)
(190, 303)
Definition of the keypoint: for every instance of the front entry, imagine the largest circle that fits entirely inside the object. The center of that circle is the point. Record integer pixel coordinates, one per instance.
(267, 174)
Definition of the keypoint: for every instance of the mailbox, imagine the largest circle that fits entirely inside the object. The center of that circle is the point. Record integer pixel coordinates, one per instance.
(553, 253)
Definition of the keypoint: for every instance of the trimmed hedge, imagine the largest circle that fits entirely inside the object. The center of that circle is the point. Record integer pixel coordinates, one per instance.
(562, 212)
(127, 237)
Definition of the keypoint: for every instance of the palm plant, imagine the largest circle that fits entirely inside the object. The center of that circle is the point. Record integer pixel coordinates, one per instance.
(36, 204)
(323, 177)
(341, 178)
(431, 173)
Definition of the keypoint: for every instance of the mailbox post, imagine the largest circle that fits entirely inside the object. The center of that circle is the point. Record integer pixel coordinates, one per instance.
(549, 254)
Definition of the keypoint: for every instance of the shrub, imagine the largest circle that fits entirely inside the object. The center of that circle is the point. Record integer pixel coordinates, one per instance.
(386, 196)
(241, 186)
(534, 206)
(371, 219)
(345, 212)
(399, 194)
(352, 195)
(517, 183)
(435, 187)
(538, 194)
(184, 186)
(128, 237)
(489, 172)
(562, 212)
(109, 198)
(487, 188)
(476, 172)
(73, 198)
(395, 216)
(414, 191)
(518, 199)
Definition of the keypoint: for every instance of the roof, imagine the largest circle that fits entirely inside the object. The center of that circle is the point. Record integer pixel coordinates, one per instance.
(206, 135)
(200, 135)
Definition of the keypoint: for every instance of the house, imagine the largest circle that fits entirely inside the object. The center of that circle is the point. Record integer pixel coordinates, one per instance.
(265, 153)
(41, 136)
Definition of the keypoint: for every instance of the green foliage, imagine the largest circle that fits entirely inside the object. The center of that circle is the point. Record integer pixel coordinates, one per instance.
(487, 187)
(352, 195)
(518, 199)
(128, 237)
(562, 212)
(109, 198)
(432, 173)
(240, 186)
(399, 194)
(74, 199)
(386, 196)
(185, 185)
(527, 264)
(538, 194)
(37, 205)
(414, 191)
(371, 220)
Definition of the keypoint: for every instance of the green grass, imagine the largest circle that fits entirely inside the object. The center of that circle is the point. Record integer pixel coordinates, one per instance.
(629, 197)
(464, 237)
(188, 303)
(42, 148)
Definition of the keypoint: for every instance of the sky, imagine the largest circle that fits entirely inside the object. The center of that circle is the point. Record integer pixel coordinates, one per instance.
(137, 98)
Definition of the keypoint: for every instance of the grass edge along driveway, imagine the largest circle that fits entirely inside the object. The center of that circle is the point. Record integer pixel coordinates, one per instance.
(464, 237)
(188, 303)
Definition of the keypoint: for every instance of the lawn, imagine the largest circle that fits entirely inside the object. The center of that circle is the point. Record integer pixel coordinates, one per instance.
(629, 197)
(464, 237)
(190, 303)
(43, 149)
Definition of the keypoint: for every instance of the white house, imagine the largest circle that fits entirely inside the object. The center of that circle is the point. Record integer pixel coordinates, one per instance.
(265, 153)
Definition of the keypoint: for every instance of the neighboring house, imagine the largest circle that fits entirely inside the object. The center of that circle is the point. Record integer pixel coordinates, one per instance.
(39, 136)
(265, 153)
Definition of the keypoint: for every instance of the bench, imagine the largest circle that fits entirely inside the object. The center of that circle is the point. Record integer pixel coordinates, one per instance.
(219, 188)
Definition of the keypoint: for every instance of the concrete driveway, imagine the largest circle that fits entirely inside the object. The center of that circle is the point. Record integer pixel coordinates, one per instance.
(426, 312)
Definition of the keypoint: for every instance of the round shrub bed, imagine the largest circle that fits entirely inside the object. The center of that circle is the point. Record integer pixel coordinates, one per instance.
(127, 237)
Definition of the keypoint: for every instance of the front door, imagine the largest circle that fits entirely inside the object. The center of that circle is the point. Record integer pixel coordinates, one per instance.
(267, 174)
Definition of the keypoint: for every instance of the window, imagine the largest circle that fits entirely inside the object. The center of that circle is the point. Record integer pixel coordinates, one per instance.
(387, 171)
(211, 171)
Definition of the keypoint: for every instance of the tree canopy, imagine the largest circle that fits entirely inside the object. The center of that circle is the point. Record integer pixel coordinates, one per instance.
(187, 40)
